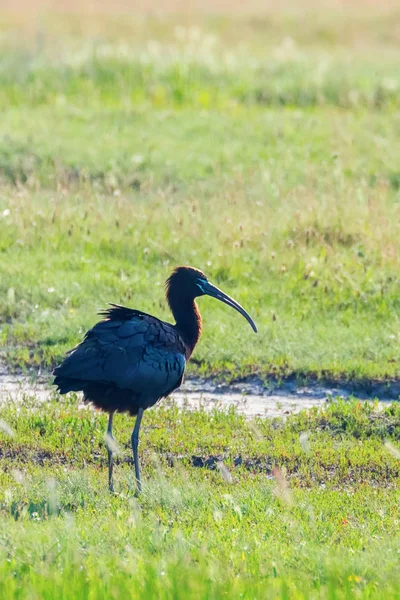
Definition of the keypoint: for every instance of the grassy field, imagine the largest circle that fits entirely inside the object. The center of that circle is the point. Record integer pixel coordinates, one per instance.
(306, 508)
(264, 149)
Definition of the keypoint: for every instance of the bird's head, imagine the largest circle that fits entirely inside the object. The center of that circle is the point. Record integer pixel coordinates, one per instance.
(189, 283)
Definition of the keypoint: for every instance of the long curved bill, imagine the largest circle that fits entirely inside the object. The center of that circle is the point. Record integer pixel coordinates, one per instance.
(214, 292)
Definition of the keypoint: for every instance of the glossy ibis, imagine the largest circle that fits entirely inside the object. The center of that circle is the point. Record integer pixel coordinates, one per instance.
(130, 360)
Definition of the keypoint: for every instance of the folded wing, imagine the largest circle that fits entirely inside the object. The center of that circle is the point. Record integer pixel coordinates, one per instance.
(129, 350)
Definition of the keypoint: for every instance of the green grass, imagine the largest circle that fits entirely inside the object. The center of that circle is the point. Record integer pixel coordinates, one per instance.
(265, 151)
(310, 510)
(130, 145)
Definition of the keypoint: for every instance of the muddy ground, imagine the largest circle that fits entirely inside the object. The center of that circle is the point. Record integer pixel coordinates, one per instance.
(251, 397)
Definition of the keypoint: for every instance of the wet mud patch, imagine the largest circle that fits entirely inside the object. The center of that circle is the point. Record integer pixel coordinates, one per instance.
(251, 396)
(14, 456)
(300, 472)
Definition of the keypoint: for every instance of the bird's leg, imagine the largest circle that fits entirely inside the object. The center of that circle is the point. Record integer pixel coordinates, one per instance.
(110, 453)
(135, 443)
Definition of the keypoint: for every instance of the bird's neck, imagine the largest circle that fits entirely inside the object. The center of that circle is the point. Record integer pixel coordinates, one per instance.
(188, 321)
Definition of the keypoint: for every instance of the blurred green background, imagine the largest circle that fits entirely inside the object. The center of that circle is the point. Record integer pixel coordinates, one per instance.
(261, 146)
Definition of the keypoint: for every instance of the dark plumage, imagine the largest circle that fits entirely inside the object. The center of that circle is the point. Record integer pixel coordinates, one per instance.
(130, 360)
(126, 362)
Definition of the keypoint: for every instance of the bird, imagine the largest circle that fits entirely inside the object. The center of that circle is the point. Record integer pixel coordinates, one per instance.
(130, 360)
